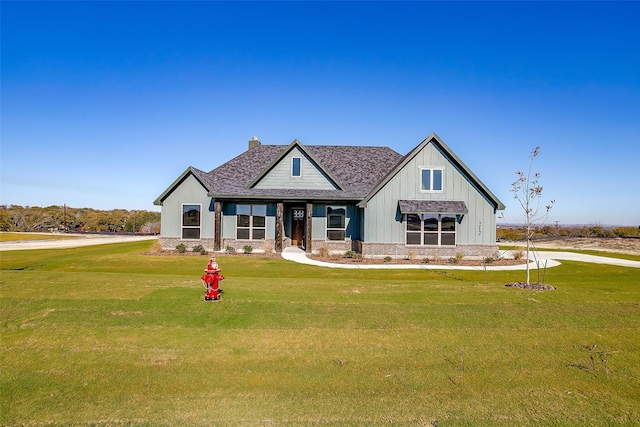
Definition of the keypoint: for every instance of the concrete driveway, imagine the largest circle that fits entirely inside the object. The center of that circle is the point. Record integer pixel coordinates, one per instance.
(70, 242)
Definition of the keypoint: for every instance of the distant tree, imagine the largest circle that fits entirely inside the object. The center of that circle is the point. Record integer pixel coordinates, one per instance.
(55, 218)
(528, 192)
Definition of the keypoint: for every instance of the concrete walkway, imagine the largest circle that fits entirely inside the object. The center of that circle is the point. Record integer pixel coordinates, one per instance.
(551, 259)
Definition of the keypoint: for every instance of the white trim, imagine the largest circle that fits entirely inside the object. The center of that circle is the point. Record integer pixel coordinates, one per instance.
(182, 226)
(251, 227)
(300, 166)
(344, 229)
(432, 169)
(438, 233)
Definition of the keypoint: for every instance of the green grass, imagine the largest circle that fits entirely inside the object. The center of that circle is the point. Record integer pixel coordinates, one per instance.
(104, 335)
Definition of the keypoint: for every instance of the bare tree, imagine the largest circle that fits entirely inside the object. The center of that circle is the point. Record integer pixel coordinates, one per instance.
(528, 191)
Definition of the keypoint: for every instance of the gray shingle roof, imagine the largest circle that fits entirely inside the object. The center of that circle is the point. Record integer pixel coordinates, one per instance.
(357, 170)
(432, 206)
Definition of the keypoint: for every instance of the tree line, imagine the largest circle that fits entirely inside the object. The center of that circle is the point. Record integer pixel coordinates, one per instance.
(551, 231)
(67, 219)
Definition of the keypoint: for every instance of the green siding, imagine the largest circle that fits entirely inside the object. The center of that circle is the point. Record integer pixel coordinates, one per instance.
(381, 224)
(189, 191)
(280, 175)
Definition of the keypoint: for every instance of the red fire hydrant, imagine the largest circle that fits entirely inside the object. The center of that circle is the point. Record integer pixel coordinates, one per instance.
(211, 278)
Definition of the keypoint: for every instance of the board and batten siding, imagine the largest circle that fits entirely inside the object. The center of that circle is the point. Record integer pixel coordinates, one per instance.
(280, 175)
(189, 192)
(382, 223)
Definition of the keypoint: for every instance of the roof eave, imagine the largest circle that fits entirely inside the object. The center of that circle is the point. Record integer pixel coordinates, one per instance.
(189, 171)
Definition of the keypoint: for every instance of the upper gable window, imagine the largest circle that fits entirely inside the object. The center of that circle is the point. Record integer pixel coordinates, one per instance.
(431, 179)
(296, 166)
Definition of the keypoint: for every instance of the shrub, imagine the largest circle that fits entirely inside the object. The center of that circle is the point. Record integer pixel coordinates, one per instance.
(518, 254)
(459, 257)
(199, 248)
(323, 252)
(426, 260)
(411, 255)
(387, 259)
(349, 254)
(626, 231)
(489, 260)
(247, 249)
(268, 248)
(453, 260)
(230, 250)
(181, 248)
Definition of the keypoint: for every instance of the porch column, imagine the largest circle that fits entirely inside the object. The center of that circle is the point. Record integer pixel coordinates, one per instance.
(217, 225)
(309, 215)
(279, 226)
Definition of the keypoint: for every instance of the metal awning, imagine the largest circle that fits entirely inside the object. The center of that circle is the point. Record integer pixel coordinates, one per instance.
(432, 206)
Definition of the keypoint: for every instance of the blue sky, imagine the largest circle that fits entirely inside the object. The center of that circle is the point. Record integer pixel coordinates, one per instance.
(104, 104)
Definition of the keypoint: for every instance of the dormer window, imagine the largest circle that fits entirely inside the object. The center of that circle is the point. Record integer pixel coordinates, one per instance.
(296, 166)
(431, 179)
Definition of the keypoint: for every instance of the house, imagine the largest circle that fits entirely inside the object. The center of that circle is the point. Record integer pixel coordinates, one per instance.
(368, 199)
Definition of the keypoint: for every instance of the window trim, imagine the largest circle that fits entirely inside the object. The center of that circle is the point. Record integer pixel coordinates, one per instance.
(343, 228)
(293, 159)
(431, 170)
(251, 228)
(191, 227)
(422, 232)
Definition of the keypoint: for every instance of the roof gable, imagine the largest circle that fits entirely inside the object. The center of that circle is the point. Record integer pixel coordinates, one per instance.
(277, 174)
(452, 158)
(199, 175)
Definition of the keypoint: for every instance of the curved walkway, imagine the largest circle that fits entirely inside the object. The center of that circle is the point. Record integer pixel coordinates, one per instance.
(551, 259)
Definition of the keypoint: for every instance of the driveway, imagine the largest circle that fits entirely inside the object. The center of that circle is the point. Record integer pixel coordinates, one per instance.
(70, 242)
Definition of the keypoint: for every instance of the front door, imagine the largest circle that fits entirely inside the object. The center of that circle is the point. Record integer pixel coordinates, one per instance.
(297, 233)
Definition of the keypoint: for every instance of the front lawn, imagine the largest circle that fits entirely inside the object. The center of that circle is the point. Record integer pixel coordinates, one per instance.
(104, 335)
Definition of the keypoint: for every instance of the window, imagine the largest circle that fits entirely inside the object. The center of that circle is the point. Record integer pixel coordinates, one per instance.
(430, 230)
(431, 179)
(251, 222)
(336, 220)
(191, 221)
(296, 166)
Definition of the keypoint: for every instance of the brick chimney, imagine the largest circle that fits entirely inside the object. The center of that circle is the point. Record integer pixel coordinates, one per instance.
(253, 142)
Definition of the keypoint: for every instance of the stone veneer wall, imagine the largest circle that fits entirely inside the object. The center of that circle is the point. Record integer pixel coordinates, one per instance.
(170, 243)
(334, 247)
(267, 245)
(369, 250)
(374, 250)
